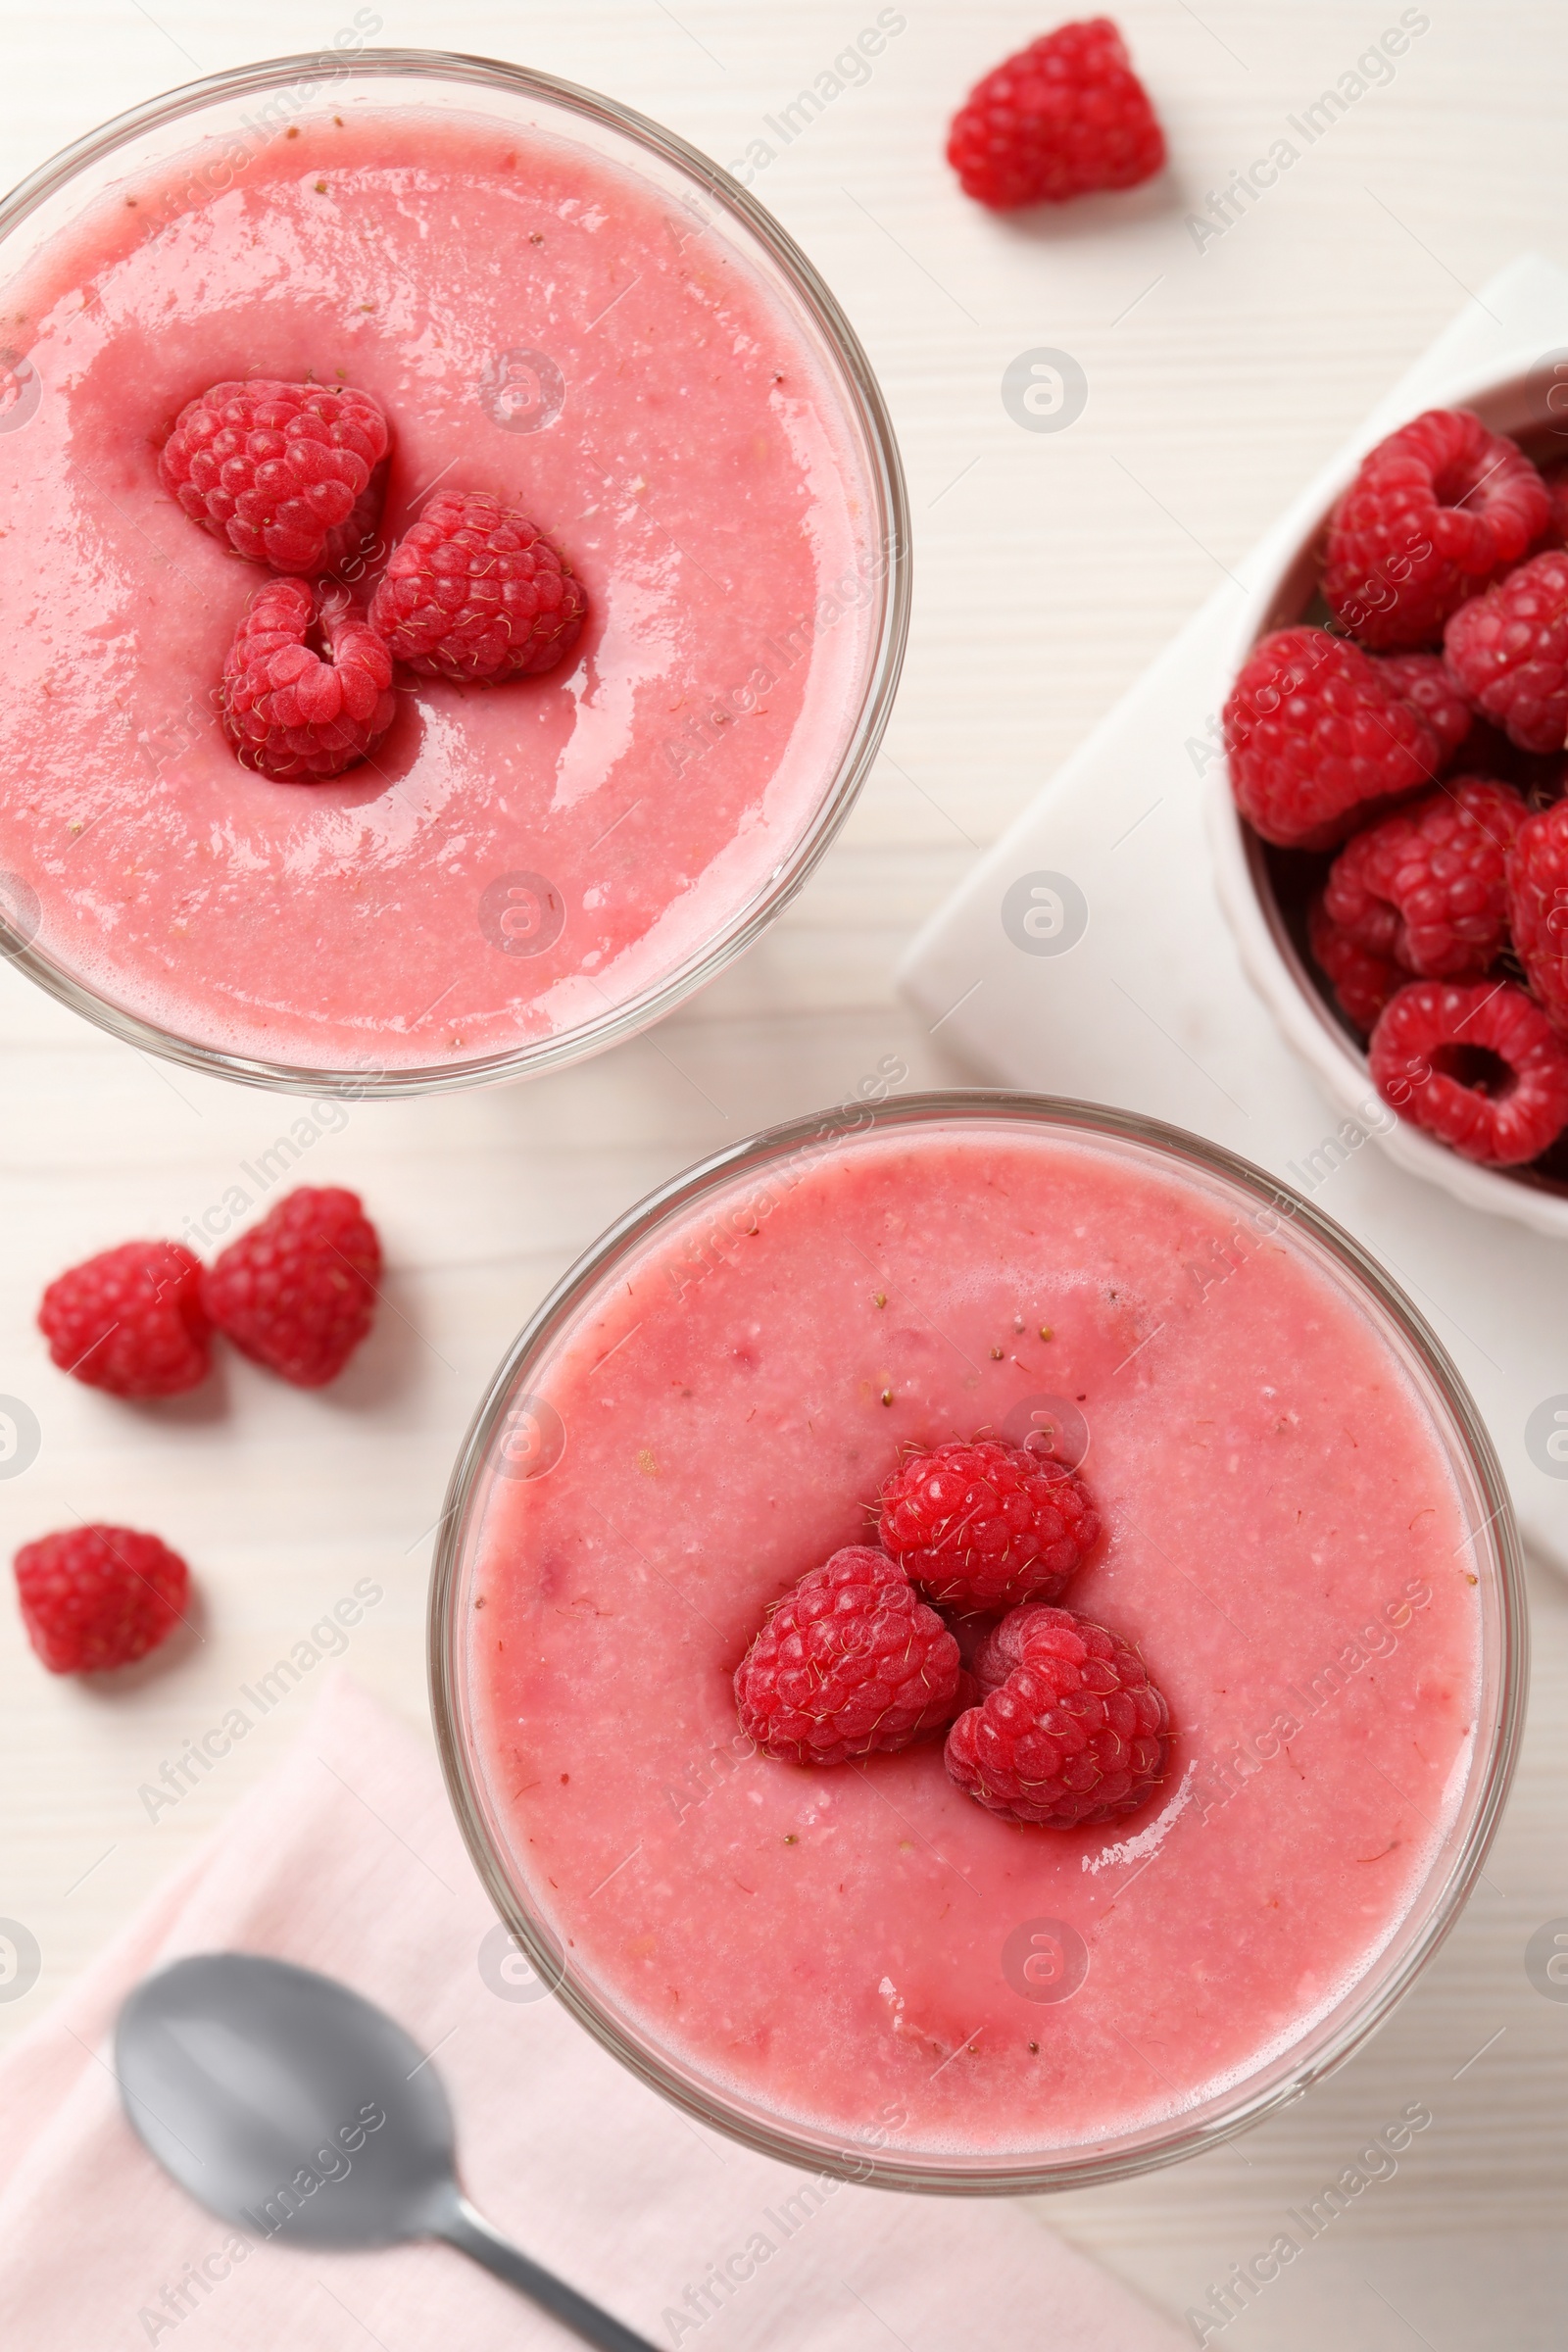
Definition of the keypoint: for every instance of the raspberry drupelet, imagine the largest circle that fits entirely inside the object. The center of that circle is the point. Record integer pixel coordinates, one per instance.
(849, 1663)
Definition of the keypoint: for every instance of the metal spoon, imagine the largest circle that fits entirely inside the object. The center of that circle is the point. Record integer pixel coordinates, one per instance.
(292, 2108)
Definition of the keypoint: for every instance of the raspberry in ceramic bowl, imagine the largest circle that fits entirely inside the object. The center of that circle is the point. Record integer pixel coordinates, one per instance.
(1395, 689)
(454, 580)
(780, 1825)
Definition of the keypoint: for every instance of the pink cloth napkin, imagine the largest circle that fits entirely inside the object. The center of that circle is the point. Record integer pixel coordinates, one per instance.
(346, 1859)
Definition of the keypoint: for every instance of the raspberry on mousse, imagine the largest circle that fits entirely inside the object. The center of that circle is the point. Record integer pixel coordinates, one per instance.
(131, 1320)
(307, 687)
(1437, 511)
(98, 1596)
(474, 592)
(1319, 737)
(1074, 1731)
(849, 1663)
(289, 476)
(987, 1525)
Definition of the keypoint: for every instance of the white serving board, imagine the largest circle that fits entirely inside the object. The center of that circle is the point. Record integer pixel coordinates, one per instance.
(1150, 1008)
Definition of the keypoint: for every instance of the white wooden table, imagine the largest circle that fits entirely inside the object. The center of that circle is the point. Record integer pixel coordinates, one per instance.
(1049, 569)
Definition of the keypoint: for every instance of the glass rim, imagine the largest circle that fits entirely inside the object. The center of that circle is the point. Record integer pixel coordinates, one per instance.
(888, 543)
(1377, 1992)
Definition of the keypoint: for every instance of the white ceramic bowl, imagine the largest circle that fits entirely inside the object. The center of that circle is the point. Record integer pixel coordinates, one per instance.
(1521, 395)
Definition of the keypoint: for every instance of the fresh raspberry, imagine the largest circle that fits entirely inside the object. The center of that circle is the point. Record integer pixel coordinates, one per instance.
(1423, 684)
(473, 591)
(1076, 1731)
(850, 1663)
(1004, 1647)
(1555, 478)
(1537, 907)
(1427, 885)
(1362, 982)
(130, 1320)
(1318, 737)
(987, 1525)
(291, 711)
(97, 1597)
(297, 1293)
(1508, 651)
(1437, 511)
(1062, 117)
(1478, 1067)
(289, 476)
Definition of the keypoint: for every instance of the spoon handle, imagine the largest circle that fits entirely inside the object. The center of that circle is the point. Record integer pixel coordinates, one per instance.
(472, 2234)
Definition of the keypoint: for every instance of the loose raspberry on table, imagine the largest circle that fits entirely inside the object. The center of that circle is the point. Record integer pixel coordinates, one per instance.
(1537, 907)
(1062, 118)
(1422, 682)
(850, 1663)
(289, 476)
(1437, 511)
(99, 1596)
(1362, 982)
(1318, 737)
(1508, 652)
(1477, 1064)
(131, 1320)
(987, 1525)
(474, 591)
(307, 687)
(298, 1291)
(1428, 885)
(1076, 1731)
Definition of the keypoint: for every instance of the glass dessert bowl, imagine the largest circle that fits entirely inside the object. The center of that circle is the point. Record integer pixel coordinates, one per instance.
(857, 1968)
(518, 874)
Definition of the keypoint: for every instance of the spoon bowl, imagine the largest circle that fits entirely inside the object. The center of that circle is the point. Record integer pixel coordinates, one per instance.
(292, 2108)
